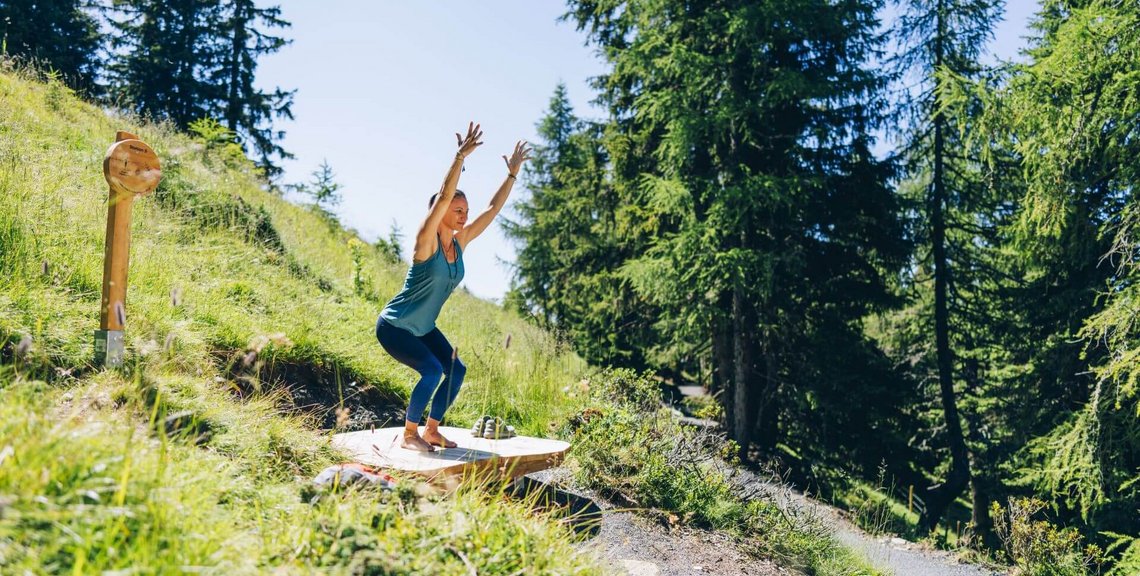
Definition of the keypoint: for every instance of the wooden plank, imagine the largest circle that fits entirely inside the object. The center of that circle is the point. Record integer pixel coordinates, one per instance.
(510, 457)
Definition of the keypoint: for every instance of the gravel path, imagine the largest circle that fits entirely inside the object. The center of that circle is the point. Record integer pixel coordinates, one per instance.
(890, 554)
(638, 546)
(646, 548)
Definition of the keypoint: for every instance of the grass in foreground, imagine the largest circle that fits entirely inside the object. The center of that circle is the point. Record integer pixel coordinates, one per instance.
(91, 482)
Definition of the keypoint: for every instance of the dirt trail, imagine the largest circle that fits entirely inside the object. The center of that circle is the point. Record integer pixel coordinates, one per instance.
(890, 554)
(632, 544)
(639, 546)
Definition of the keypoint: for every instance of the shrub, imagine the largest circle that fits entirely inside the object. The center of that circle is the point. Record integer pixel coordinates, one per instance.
(1038, 547)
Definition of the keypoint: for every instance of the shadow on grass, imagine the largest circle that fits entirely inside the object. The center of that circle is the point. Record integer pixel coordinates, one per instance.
(333, 394)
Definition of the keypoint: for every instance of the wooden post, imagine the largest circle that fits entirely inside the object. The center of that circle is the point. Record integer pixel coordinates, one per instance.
(910, 500)
(131, 168)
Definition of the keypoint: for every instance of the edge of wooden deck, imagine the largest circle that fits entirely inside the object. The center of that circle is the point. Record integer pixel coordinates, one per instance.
(510, 457)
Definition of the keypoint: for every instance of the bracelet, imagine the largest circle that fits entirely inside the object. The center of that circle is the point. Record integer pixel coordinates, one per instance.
(509, 175)
(459, 157)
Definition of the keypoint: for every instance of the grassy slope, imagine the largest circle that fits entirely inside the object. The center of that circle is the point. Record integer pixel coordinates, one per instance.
(238, 278)
(86, 483)
(90, 481)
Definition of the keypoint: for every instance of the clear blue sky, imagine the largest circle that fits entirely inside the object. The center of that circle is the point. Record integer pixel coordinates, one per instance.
(382, 86)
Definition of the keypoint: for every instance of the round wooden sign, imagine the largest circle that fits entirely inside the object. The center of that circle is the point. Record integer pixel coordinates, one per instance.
(131, 166)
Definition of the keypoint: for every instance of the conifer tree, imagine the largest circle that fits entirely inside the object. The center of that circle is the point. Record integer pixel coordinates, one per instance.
(571, 249)
(742, 150)
(248, 110)
(534, 262)
(940, 36)
(164, 52)
(1070, 116)
(183, 60)
(62, 35)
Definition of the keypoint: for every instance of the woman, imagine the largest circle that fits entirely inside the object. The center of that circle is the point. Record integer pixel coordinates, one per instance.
(406, 328)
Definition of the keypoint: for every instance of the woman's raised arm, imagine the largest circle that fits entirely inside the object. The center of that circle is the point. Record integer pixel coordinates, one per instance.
(478, 225)
(425, 236)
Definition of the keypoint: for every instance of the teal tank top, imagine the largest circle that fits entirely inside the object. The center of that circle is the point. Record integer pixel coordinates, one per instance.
(426, 288)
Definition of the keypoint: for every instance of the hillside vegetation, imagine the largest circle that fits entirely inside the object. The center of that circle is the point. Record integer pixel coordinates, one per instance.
(253, 318)
(250, 341)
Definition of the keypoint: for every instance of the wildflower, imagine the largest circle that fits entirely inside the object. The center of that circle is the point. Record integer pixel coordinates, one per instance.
(280, 340)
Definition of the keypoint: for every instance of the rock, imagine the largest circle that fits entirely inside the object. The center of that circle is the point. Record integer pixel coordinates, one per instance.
(640, 568)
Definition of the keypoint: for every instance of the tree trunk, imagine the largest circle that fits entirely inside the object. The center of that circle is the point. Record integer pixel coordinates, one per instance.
(739, 428)
(983, 526)
(722, 359)
(981, 477)
(237, 48)
(941, 496)
(768, 404)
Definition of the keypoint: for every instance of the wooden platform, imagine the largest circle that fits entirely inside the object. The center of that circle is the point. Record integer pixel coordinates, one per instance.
(511, 457)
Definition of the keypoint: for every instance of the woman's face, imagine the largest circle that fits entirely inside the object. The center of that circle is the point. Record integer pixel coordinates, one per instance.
(456, 216)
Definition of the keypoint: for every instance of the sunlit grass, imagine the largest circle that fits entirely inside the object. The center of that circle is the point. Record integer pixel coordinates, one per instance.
(183, 460)
(91, 482)
(94, 479)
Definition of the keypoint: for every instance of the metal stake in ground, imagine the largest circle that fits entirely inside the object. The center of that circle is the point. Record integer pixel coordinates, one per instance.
(131, 168)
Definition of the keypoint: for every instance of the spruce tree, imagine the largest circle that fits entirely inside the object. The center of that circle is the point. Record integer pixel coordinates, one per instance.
(164, 52)
(60, 35)
(183, 60)
(938, 37)
(741, 141)
(1070, 115)
(247, 110)
(571, 248)
(538, 211)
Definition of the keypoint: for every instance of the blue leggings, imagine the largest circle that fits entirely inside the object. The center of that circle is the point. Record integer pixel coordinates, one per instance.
(433, 357)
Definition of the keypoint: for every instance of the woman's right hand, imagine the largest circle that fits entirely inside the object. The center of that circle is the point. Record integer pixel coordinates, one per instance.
(471, 142)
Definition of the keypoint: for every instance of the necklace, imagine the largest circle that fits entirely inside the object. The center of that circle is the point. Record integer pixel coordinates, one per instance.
(451, 259)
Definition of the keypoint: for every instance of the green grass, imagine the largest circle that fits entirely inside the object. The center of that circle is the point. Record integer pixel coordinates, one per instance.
(884, 510)
(88, 485)
(219, 267)
(232, 290)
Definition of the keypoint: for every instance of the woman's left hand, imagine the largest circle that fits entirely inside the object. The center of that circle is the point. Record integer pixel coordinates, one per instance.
(520, 155)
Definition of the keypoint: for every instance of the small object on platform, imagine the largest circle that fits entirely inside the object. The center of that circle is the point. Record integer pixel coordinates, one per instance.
(477, 428)
(496, 429)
